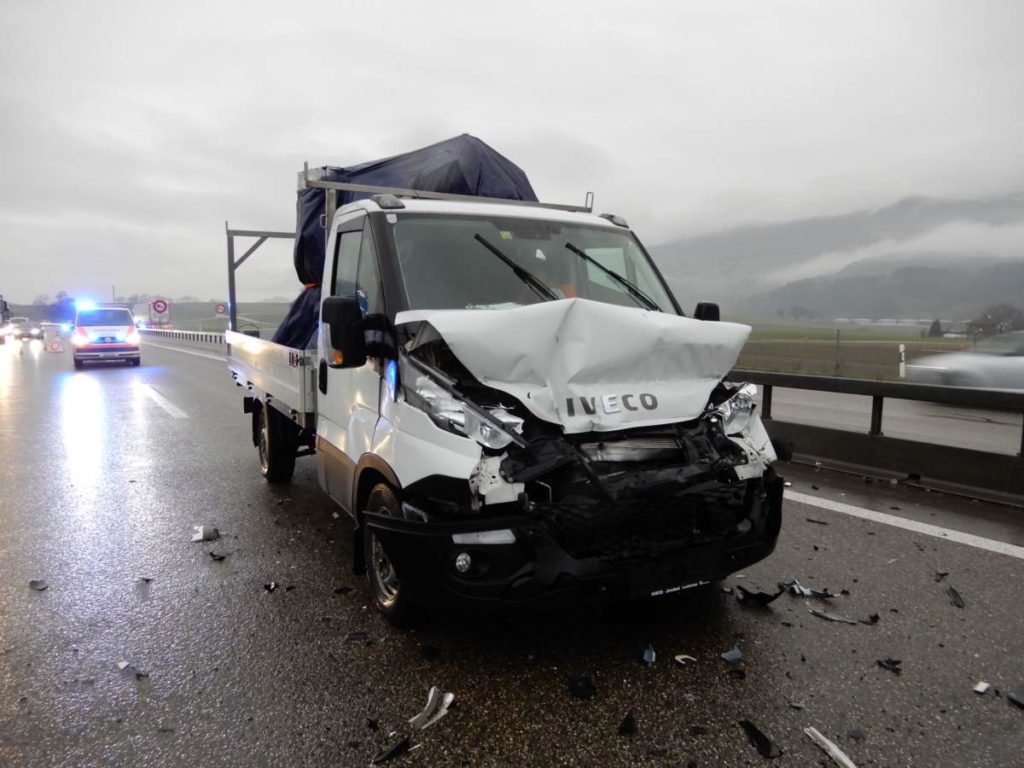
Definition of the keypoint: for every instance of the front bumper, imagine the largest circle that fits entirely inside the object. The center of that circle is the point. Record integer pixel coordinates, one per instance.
(107, 352)
(548, 567)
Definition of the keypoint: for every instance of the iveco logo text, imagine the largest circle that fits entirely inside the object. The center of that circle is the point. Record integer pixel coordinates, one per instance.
(611, 403)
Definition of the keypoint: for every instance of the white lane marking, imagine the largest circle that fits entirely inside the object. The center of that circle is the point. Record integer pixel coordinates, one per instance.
(164, 403)
(207, 355)
(979, 542)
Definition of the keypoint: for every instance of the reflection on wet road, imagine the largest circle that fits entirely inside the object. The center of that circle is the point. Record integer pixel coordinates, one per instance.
(105, 471)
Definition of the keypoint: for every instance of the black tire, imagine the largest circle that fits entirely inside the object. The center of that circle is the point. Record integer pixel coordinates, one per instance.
(276, 446)
(135, 362)
(385, 589)
(79, 364)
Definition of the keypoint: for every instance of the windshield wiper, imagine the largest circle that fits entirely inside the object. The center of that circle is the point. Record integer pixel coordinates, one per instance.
(531, 280)
(635, 292)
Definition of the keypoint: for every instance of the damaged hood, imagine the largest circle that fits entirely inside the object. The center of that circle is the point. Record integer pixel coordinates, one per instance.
(590, 366)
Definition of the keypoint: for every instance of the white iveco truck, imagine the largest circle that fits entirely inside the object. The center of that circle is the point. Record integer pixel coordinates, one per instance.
(512, 406)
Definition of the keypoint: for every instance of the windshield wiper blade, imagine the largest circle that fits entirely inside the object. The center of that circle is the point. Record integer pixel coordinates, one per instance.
(531, 280)
(635, 292)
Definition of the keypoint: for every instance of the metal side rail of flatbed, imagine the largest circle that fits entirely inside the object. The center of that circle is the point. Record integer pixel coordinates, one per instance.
(283, 377)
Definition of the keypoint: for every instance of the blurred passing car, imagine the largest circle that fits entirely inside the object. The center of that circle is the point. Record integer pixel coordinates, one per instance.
(23, 329)
(105, 334)
(996, 363)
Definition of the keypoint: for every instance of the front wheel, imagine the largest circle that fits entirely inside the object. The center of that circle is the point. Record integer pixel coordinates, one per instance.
(79, 364)
(385, 588)
(277, 445)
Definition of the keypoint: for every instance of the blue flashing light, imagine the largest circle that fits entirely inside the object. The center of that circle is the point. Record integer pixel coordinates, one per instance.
(66, 327)
(83, 305)
(391, 378)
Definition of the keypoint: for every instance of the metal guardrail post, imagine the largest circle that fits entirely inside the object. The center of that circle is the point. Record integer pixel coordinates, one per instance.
(876, 415)
(766, 403)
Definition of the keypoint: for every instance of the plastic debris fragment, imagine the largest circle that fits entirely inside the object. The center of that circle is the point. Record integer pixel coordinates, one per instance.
(982, 687)
(815, 521)
(1017, 697)
(955, 597)
(129, 669)
(830, 749)
(582, 687)
(392, 752)
(628, 725)
(437, 706)
(760, 742)
(682, 659)
(732, 655)
(797, 705)
(205, 533)
(798, 589)
(144, 579)
(828, 616)
(216, 557)
(893, 665)
(940, 575)
(38, 585)
(271, 586)
(871, 620)
(649, 656)
(756, 599)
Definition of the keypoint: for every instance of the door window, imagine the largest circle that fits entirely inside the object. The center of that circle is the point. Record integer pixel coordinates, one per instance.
(346, 262)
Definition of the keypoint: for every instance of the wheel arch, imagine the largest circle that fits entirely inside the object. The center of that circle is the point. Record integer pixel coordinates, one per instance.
(370, 470)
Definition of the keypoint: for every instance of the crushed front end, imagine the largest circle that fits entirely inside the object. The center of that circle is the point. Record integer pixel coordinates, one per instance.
(548, 516)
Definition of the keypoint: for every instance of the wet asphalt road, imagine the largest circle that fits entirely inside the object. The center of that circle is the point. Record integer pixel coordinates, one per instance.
(103, 473)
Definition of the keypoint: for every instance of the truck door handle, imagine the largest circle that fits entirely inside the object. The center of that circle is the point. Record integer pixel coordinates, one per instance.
(322, 376)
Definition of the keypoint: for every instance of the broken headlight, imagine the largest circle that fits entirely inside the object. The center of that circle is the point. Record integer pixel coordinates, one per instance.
(737, 411)
(456, 416)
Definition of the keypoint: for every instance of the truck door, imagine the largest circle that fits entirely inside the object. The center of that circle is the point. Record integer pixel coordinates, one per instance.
(349, 398)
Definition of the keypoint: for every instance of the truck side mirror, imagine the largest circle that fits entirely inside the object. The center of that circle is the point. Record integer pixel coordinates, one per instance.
(707, 310)
(347, 348)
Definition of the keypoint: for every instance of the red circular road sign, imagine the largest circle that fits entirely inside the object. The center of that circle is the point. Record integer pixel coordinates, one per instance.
(221, 309)
(56, 346)
(160, 306)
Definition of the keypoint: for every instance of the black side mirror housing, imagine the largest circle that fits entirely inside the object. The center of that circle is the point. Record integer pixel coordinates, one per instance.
(347, 349)
(707, 310)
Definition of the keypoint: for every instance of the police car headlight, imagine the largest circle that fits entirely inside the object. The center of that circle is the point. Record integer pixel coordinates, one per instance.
(738, 410)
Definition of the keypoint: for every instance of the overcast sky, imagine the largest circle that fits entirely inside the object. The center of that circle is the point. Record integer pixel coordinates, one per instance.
(130, 131)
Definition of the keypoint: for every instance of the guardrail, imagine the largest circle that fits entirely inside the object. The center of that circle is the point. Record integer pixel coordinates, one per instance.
(940, 466)
(193, 337)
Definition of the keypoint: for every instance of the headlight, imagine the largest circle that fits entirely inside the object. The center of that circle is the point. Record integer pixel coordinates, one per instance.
(34, 331)
(451, 414)
(737, 411)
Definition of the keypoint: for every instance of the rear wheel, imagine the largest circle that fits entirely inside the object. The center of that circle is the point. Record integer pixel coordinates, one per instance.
(277, 445)
(79, 364)
(385, 587)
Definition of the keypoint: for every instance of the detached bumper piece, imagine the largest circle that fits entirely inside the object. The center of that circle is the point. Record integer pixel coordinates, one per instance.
(586, 552)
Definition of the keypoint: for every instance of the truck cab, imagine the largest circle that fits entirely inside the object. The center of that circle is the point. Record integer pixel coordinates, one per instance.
(515, 411)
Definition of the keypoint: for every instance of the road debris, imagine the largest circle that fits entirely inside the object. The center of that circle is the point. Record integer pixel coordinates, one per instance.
(732, 655)
(815, 521)
(797, 705)
(682, 659)
(358, 636)
(130, 670)
(343, 590)
(798, 589)
(893, 665)
(217, 557)
(38, 585)
(205, 533)
(737, 674)
(392, 752)
(628, 725)
(871, 620)
(437, 706)
(940, 575)
(982, 687)
(756, 599)
(1017, 697)
(828, 616)
(271, 586)
(144, 579)
(581, 687)
(760, 742)
(649, 656)
(830, 749)
(955, 597)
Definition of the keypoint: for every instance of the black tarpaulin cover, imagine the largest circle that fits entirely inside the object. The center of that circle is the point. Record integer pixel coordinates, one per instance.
(463, 165)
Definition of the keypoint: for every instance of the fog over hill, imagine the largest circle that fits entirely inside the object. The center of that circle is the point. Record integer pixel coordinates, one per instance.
(912, 257)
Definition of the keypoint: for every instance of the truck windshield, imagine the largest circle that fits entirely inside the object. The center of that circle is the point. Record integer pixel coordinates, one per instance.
(445, 266)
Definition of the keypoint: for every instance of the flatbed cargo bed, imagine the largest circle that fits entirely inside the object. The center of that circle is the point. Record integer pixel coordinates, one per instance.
(283, 376)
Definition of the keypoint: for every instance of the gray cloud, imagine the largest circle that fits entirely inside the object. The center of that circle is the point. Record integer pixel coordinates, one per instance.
(131, 131)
